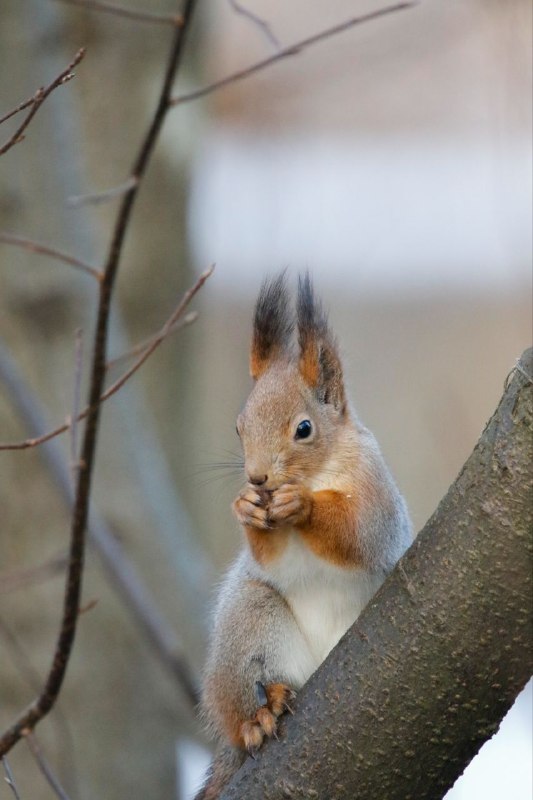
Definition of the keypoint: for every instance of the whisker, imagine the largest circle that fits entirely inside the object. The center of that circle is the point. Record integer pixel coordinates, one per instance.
(221, 480)
(219, 465)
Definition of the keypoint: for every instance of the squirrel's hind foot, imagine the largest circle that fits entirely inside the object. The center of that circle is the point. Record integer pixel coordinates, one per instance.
(275, 699)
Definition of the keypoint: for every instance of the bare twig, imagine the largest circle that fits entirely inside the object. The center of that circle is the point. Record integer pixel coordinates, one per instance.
(37, 101)
(95, 198)
(88, 606)
(123, 577)
(9, 779)
(30, 576)
(27, 674)
(44, 765)
(73, 421)
(51, 252)
(290, 51)
(153, 343)
(176, 20)
(188, 319)
(16, 110)
(262, 24)
(48, 696)
(164, 332)
(35, 442)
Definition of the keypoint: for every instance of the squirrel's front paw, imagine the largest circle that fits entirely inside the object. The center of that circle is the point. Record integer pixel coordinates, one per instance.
(250, 508)
(290, 505)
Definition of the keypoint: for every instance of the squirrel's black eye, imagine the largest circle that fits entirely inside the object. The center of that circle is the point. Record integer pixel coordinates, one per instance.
(304, 429)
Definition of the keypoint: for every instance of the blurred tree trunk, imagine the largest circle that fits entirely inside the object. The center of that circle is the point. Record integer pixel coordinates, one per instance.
(428, 671)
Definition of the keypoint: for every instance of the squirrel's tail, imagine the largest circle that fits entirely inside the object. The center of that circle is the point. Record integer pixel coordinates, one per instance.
(225, 764)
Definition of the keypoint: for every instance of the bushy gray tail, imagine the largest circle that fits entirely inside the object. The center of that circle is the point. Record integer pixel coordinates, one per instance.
(225, 764)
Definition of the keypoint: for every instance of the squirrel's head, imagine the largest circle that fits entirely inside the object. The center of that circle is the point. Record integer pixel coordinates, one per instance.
(297, 407)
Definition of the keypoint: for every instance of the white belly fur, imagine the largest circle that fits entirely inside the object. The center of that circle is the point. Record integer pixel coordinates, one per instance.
(325, 600)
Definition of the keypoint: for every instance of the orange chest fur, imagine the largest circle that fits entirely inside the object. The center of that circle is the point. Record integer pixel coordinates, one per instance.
(331, 533)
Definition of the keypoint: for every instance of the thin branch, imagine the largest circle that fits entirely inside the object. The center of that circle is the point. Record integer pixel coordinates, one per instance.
(153, 343)
(176, 20)
(188, 319)
(95, 198)
(37, 101)
(262, 24)
(51, 252)
(9, 779)
(164, 332)
(88, 606)
(35, 442)
(290, 51)
(78, 362)
(28, 675)
(16, 110)
(30, 576)
(44, 765)
(40, 707)
(163, 644)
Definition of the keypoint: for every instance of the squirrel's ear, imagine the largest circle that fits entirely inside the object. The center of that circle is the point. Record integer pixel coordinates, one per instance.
(272, 325)
(319, 363)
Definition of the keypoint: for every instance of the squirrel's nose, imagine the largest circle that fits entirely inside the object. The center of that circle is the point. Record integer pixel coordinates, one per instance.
(258, 480)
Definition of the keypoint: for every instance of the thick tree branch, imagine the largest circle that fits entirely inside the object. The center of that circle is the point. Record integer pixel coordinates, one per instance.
(432, 665)
(45, 701)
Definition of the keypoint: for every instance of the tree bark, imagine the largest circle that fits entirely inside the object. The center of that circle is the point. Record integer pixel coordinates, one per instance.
(432, 665)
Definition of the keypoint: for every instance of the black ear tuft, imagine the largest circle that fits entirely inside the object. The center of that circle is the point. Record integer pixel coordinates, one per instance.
(312, 320)
(319, 362)
(273, 325)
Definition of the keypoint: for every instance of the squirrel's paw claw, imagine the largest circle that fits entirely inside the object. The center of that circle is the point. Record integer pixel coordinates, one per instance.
(252, 736)
(254, 731)
(290, 504)
(276, 698)
(249, 510)
(279, 698)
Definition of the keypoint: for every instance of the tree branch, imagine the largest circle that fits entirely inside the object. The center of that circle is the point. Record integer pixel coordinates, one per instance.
(95, 198)
(51, 252)
(9, 779)
(45, 701)
(22, 578)
(424, 676)
(188, 319)
(44, 766)
(120, 570)
(293, 50)
(128, 13)
(260, 23)
(152, 344)
(37, 100)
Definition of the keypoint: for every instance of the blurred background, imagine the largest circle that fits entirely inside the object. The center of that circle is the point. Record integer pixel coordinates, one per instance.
(392, 161)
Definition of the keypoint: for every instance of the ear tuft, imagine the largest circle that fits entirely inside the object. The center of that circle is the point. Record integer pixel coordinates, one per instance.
(319, 362)
(273, 325)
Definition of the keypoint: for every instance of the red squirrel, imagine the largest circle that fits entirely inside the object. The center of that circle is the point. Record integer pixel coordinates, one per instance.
(323, 521)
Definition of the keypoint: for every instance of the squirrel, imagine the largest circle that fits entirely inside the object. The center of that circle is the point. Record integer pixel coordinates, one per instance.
(323, 521)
